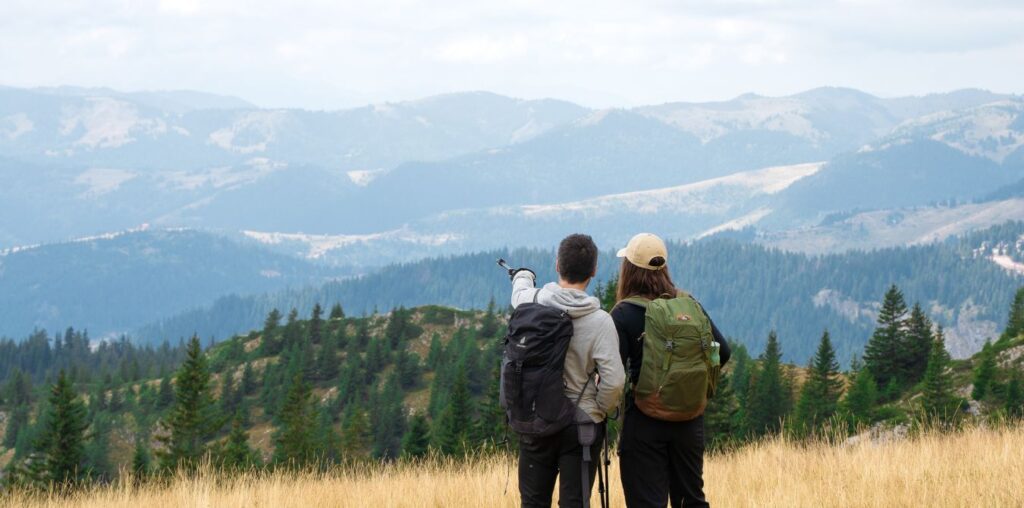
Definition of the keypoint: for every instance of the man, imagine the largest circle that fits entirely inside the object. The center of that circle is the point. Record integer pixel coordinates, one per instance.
(594, 347)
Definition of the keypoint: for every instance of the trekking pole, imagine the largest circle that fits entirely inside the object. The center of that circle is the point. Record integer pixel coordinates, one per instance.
(606, 502)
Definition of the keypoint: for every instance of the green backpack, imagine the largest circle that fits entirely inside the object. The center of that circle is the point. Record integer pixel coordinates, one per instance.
(681, 362)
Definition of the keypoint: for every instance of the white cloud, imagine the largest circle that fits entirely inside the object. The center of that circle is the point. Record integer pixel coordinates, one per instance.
(482, 49)
(186, 7)
(326, 53)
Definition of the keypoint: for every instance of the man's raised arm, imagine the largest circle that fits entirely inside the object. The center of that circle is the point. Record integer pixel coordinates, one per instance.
(523, 286)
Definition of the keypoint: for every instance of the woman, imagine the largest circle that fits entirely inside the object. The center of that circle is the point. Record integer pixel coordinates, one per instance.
(661, 460)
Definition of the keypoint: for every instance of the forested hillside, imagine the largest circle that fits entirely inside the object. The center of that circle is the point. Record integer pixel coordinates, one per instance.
(351, 386)
(335, 388)
(748, 289)
(114, 283)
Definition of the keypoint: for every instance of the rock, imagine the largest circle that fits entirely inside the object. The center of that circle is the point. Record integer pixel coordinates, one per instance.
(880, 434)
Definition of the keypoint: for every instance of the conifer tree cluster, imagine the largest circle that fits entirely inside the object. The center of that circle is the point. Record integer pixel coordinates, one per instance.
(900, 348)
(416, 382)
(906, 367)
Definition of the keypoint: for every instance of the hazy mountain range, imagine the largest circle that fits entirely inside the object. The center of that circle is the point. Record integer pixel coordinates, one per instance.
(108, 161)
(317, 195)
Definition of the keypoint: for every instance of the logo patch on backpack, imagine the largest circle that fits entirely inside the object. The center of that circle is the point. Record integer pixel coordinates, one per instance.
(683, 317)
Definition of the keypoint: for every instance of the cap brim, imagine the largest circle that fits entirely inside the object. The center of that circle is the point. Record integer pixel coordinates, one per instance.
(621, 253)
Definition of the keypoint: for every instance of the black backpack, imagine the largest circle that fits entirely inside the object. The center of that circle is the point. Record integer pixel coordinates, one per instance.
(532, 388)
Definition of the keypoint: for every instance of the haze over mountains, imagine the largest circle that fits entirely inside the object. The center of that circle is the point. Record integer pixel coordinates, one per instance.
(117, 160)
(347, 192)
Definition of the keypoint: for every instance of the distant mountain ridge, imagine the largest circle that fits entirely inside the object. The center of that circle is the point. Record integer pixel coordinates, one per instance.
(682, 212)
(318, 195)
(749, 289)
(184, 159)
(114, 283)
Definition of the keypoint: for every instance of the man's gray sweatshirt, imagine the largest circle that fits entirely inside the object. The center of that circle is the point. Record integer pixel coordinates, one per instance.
(594, 344)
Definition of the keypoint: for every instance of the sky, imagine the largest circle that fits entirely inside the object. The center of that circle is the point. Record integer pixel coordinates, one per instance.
(332, 54)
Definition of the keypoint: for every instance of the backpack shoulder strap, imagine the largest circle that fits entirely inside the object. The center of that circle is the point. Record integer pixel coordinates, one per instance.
(639, 301)
(684, 294)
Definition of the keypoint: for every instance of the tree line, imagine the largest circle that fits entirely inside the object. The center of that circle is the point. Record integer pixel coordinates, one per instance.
(338, 389)
(748, 288)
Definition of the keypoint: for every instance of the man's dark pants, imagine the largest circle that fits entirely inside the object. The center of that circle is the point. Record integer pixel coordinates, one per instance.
(541, 460)
(661, 461)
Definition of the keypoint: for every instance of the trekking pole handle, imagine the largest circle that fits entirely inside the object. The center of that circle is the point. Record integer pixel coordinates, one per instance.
(503, 264)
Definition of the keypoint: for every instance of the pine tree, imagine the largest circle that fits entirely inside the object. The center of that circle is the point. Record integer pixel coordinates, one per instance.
(328, 444)
(461, 404)
(376, 357)
(61, 442)
(292, 333)
(917, 345)
(387, 420)
(739, 382)
(445, 438)
(350, 383)
(362, 337)
(416, 441)
(294, 444)
(316, 324)
(938, 401)
(193, 419)
(17, 424)
(165, 397)
(769, 400)
(820, 395)
(722, 416)
(398, 328)
(1014, 397)
(327, 358)
(489, 323)
(607, 293)
(337, 312)
(272, 392)
(237, 455)
(230, 396)
(452, 429)
(1015, 321)
(884, 354)
(18, 390)
(97, 449)
(271, 343)
(307, 357)
(490, 427)
(436, 352)
(355, 431)
(140, 460)
(860, 399)
(984, 372)
(249, 383)
(19, 396)
(408, 368)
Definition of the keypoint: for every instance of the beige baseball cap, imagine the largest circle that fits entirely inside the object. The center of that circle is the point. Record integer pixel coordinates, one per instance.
(646, 251)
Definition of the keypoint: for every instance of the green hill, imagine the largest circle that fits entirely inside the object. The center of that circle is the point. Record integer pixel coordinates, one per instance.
(380, 382)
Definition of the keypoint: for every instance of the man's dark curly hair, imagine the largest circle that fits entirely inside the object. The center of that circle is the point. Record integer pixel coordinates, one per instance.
(577, 258)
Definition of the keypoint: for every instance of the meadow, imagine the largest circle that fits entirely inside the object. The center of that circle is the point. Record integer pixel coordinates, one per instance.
(973, 467)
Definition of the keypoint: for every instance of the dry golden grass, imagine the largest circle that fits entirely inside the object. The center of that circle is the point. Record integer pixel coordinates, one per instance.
(975, 467)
